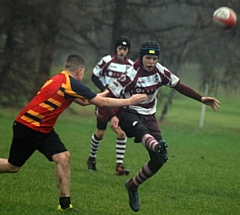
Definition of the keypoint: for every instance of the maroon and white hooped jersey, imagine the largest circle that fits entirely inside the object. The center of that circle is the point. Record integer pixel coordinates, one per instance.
(109, 68)
(137, 80)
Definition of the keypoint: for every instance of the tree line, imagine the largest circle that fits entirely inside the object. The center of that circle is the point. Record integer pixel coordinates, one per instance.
(37, 35)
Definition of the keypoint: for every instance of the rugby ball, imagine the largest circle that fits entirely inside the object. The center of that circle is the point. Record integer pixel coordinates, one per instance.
(225, 16)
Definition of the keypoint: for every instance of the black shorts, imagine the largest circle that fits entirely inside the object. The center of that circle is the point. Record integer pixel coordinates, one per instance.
(101, 125)
(128, 119)
(25, 141)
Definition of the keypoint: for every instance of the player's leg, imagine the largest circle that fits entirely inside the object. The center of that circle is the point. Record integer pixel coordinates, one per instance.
(127, 122)
(62, 174)
(95, 144)
(147, 171)
(6, 167)
(22, 147)
(102, 120)
(148, 131)
(141, 131)
(120, 151)
(62, 161)
(52, 147)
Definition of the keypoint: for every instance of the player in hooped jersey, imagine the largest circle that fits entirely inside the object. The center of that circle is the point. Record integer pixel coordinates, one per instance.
(33, 127)
(138, 121)
(108, 69)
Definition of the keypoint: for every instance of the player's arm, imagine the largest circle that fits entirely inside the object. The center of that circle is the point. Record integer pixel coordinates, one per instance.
(81, 102)
(115, 102)
(104, 93)
(95, 79)
(187, 91)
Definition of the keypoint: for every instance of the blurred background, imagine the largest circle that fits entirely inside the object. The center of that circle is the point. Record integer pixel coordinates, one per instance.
(37, 35)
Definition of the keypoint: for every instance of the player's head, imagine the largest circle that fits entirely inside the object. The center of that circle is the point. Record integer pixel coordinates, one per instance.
(149, 54)
(75, 64)
(122, 47)
(149, 48)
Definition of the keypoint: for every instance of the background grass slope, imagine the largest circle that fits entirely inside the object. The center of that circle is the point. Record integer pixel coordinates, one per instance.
(201, 178)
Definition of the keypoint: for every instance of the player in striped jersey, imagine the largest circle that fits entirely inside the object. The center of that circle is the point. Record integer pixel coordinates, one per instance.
(138, 121)
(33, 128)
(108, 69)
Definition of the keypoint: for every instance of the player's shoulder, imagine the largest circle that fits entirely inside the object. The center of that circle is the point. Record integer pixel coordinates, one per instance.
(59, 76)
(161, 68)
(130, 61)
(107, 58)
(131, 72)
(104, 60)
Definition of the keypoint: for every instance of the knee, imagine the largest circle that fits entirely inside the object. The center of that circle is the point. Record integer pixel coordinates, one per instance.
(99, 133)
(13, 169)
(67, 156)
(155, 163)
(141, 130)
(16, 169)
(120, 133)
(63, 157)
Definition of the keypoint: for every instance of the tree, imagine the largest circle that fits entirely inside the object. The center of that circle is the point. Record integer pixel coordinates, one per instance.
(27, 57)
(38, 34)
(48, 33)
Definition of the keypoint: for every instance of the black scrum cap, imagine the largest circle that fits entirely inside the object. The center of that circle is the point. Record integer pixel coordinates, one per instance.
(149, 48)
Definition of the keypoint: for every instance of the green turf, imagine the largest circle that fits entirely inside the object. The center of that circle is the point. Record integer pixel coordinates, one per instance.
(201, 178)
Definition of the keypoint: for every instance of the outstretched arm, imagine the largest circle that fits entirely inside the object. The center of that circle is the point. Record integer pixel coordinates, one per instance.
(115, 102)
(187, 91)
(214, 103)
(104, 93)
(81, 102)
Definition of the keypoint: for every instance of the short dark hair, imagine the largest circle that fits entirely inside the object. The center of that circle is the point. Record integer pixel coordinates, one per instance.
(74, 62)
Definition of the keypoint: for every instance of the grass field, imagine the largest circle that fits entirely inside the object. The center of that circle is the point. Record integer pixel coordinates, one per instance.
(201, 178)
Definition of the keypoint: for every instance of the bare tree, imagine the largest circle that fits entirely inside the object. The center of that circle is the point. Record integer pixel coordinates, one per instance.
(47, 39)
(35, 34)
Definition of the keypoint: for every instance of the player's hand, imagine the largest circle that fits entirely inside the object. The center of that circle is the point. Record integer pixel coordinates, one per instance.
(104, 93)
(114, 122)
(116, 128)
(210, 101)
(137, 98)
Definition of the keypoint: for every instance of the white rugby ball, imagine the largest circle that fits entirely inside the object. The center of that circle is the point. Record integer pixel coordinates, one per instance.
(225, 16)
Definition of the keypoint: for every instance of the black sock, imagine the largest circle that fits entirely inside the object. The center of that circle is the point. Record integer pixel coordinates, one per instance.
(64, 202)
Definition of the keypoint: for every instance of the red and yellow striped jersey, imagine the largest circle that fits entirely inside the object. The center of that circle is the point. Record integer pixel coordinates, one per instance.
(53, 98)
